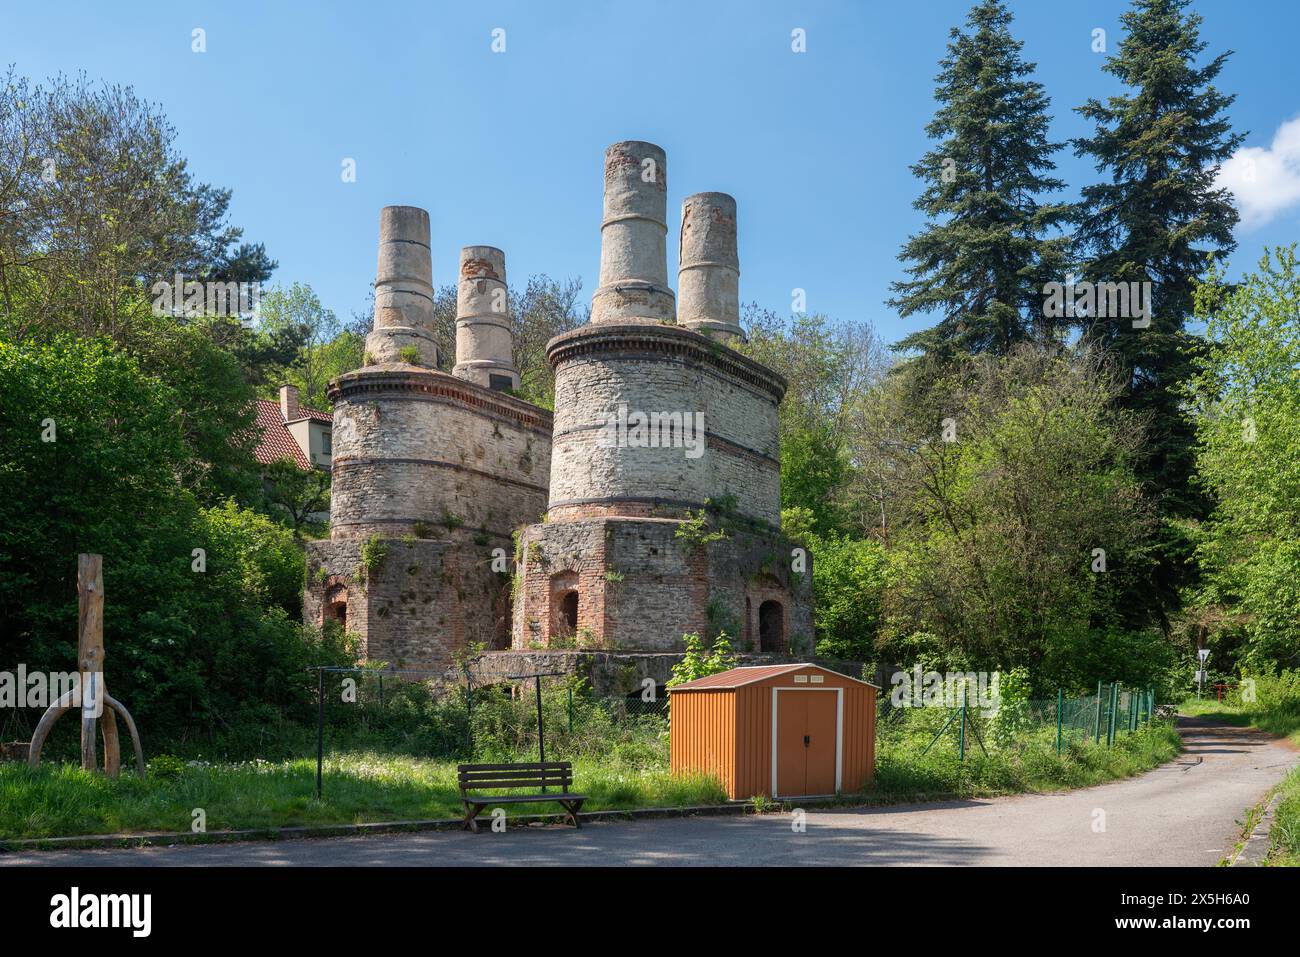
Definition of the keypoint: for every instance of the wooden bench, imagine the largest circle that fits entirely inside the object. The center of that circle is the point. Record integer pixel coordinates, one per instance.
(533, 774)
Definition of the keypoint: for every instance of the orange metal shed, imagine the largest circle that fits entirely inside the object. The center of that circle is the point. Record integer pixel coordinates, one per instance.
(797, 730)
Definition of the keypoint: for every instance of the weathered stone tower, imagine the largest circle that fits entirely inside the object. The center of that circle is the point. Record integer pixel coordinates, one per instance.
(431, 472)
(658, 424)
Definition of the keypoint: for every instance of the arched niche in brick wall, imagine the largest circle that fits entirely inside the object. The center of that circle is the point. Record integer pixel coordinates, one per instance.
(335, 606)
(771, 626)
(564, 604)
(767, 615)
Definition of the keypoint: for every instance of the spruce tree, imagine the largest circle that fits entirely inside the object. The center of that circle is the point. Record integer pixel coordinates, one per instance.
(988, 245)
(1158, 219)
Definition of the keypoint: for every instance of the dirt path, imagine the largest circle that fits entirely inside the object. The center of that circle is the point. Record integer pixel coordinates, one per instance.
(1183, 813)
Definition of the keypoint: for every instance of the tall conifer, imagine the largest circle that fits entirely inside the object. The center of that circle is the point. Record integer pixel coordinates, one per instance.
(988, 245)
(1157, 218)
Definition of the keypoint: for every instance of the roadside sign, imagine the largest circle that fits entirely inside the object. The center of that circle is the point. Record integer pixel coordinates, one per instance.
(1200, 677)
(1203, 653)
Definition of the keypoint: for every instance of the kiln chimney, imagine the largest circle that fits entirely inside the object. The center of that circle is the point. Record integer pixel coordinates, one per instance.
(633, 259)
(484, 342)
(403, 291)
(708, 274)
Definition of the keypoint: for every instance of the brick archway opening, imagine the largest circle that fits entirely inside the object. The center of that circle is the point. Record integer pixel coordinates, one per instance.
(771, 626)
(336, 605)
(564, 605)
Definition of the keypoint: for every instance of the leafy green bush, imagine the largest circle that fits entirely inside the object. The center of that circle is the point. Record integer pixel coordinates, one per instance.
(699, 661)
(166, 767)
(849, 580)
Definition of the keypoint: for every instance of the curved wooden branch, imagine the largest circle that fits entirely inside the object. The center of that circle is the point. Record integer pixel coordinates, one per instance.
(51, 715)
(112, 749)
(120, 708)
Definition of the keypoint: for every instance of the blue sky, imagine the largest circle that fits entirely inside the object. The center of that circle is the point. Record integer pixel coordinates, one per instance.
(505, 148)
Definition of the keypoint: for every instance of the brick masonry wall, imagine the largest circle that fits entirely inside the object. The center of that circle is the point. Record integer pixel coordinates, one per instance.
(438, 472)
(423, 602)
(640, 587)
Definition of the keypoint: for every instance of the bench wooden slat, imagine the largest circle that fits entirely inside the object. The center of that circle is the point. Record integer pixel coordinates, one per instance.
(514, 777)
(520, 766)
(517, 785)
(511, 775)
(488, 800)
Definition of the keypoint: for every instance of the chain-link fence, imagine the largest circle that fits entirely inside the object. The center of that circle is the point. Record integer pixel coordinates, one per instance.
(422, 714)
(1072, 720)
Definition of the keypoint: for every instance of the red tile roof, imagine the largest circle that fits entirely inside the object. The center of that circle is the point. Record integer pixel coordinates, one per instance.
(276, 441)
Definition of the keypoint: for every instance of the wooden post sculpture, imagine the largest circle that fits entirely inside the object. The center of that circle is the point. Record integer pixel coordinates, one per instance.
(96, 703)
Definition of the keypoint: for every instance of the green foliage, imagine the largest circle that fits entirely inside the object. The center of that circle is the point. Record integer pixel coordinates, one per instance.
(700, 661)
(373, 552)
(986, 249)
(409, 354)
(293, 495)
(323, 350)
(1248, 455)
(188, 649)
(1157, 216)
(849, 580)
(166, 767)
(1030, 764)
(699, 531)
(994, 550)
(1011, 719)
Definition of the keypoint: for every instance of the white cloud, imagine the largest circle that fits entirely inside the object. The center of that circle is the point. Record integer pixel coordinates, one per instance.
(1265, 182)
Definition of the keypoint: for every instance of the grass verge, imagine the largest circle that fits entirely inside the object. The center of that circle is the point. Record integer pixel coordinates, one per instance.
(1032, 765)
(61, 800)
(369, 787)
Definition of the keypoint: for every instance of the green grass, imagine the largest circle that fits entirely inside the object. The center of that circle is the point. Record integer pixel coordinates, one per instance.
(1030, 765)
(1284, 835)
(367, 785)
(60, 800)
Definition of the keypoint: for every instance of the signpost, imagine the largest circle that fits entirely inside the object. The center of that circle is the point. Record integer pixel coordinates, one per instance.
(1202, 654)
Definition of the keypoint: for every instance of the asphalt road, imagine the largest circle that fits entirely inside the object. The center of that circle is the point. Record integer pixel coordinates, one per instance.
(1183, 813)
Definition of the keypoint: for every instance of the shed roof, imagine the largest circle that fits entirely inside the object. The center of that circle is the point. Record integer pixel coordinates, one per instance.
(748, 674)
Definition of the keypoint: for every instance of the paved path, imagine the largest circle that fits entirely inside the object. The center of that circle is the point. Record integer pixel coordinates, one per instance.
(1183, 813)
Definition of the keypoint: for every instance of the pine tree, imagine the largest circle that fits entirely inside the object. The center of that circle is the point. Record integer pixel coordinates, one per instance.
(987, 247)
(1159, 219)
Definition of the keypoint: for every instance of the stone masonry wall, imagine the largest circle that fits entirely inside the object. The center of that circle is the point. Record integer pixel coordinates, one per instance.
(663, 369)
(420, 451)
(640, 587)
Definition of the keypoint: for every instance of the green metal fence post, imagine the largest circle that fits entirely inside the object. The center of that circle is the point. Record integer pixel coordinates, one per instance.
(570, 710)
(961, 738)
(1097, 735)
(1110, 718)
(1060, 700)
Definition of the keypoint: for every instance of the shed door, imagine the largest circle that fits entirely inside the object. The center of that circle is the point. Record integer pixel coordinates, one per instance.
(805, 742)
